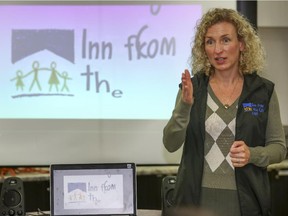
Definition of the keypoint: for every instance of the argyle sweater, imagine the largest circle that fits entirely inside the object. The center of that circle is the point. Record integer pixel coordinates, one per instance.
(218, 183)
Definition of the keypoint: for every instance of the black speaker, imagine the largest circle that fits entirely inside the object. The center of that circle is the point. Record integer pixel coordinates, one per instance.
(167, 192)
(12, 197)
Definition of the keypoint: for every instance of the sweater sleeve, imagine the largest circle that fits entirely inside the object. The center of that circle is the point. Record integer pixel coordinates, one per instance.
(275, 147)
(175, 130)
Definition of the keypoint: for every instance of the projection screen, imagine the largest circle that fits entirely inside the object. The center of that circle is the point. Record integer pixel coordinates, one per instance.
(93, 81)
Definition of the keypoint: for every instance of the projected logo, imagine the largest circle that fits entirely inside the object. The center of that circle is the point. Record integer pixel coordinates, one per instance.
(67, 64)
(42, 80)
(77, 192)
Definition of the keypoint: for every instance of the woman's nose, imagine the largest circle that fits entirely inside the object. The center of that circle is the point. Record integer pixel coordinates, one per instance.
(218, 47)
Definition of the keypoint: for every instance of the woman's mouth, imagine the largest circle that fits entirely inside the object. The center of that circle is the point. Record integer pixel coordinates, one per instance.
(220, 60)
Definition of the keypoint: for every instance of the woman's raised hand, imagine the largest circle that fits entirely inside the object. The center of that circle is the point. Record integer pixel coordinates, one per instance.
(187, 87)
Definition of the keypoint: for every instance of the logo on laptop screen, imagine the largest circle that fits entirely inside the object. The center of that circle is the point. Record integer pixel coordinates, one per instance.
(89, 192)
(77, 192)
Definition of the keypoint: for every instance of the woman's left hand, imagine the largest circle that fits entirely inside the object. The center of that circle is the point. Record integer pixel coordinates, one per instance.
(239, 153)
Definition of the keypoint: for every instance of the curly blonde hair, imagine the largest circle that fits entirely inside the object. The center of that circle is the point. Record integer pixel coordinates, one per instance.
(251, 59)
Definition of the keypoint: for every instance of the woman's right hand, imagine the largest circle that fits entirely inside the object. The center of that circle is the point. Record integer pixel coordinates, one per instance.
(187, 87)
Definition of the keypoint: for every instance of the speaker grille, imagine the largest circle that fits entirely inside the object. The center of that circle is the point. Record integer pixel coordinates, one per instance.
(169, 197)
(11, 198)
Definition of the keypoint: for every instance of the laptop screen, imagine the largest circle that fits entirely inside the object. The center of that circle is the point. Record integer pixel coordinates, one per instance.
(93, 189)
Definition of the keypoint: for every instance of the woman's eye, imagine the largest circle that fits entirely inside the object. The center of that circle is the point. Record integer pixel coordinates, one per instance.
(209, 42)
(226, 40)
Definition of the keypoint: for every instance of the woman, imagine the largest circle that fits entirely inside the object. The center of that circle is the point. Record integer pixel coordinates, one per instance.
(228, 118)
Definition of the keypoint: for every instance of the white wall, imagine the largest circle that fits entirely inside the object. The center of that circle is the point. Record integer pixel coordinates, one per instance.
(273, 29)
(272, 13)
(276, 45)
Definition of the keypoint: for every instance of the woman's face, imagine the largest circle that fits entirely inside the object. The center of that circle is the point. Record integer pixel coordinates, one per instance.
(222, 47)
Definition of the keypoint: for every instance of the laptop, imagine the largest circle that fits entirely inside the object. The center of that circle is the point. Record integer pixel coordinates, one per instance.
(93, 189)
